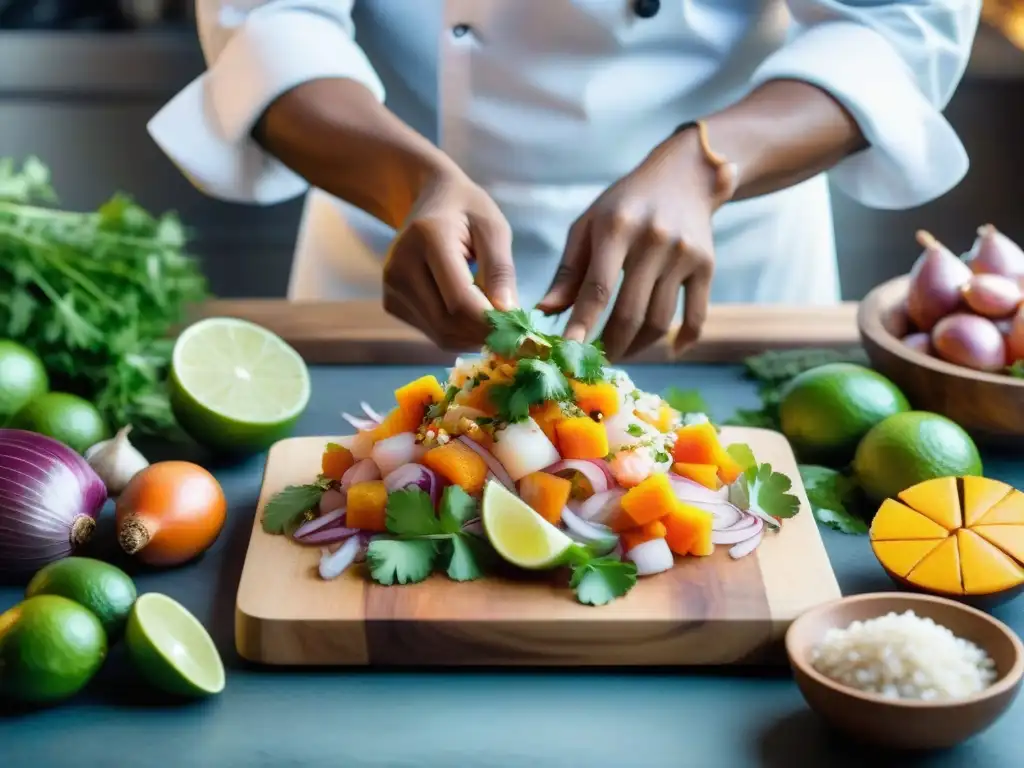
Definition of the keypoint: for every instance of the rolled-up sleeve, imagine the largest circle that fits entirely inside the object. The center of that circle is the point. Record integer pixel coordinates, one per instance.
(255, 51)
(894, 66)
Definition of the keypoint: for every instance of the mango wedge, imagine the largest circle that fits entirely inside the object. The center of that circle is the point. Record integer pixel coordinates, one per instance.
(898, 521)
(940, 570)
(937, 499)
(985, 569)
(980, 495)
(901, 557)
(1009, 511)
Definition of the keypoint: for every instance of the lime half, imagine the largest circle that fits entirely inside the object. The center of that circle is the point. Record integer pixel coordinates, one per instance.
(171, 649)
(520, 535)
(236, 387)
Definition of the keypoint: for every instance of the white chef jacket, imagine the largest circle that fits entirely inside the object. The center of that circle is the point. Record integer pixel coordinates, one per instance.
(545, 103)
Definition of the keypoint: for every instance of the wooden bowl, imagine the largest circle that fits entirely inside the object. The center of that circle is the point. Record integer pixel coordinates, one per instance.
(906, 724)
(984, 404)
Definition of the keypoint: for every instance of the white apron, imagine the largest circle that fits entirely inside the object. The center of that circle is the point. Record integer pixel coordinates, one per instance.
(545, 103)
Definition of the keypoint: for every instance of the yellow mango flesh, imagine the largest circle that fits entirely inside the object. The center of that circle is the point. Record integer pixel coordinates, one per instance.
(1008, 538)
(1009, 511)
(985, 569)
(900, 557)
(898, 521)
(940, 570)
(980, 495)
(937, 499)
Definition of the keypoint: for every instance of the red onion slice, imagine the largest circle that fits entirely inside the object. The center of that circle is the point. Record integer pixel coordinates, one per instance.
(651, 557)
(373, 415)
(333, 564)
(744, 548)
(355, 421)
(414, 476)
(493, 464)
(398, 450)
(592, 472)
(586, 529)
(361, 472)
(601, 507)
(737, 533)
(329, 534)
(333, 517)
(331, 500)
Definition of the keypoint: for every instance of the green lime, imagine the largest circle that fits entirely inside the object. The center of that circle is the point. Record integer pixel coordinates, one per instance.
(236, 387)
(825, 411)
(171, 649)
(103, 588)
(909, 448)
(520, 535)
(50, 647)
(22, 378)
(64, 417)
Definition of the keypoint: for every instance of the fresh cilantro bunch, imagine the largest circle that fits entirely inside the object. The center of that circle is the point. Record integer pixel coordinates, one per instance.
(765, 493)
(422, 540)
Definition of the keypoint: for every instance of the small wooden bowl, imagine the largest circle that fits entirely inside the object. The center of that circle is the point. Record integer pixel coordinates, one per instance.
(984, 404)
(906, 724)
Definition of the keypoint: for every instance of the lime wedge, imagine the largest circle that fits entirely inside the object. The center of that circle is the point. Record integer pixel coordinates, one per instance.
(236, 387)
(520, 535)
(171, 649)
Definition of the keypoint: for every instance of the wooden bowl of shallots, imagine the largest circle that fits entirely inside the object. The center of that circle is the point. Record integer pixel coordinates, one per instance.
(950, 334)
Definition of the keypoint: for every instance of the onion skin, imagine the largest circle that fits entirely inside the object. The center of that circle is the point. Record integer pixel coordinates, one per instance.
(993, 253)
(919, 342)
(63, 517)
(992, 296)
(1015, 339)
(170, 513)
(970, 341)
(936, 281)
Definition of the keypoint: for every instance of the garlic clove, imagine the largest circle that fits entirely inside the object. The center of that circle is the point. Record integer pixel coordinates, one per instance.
(116, 461)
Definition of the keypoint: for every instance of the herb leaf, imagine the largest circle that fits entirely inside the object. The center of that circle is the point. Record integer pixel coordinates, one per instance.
(581, 361)
(285, 507)
(832, 496)
(742, 455)
(468, 555)
(765, 491)
(686, 400)
(535, 382)
(400, 561)
(600, 580)
(411, 513)
(457, 509)
(510, 331)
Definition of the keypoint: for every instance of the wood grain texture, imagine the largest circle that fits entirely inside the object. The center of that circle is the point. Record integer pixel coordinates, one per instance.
(360, 332)
(982, 403)
(705, 611)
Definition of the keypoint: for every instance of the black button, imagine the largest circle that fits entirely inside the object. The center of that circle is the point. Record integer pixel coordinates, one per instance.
(460, 30)
(646, 9)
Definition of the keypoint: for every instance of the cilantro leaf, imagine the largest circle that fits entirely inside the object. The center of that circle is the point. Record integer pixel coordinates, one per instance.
(469, 553)
(685, 400)
(1016, 370)
(832, 496)
(600, 580)
(535, 382)
(457, 509)
(742, 455)
(578, 360)
(513, 404)
(288, 505)
(411, 513)
(510, 330)
(760, 490)
(400, 561)
(635, 430)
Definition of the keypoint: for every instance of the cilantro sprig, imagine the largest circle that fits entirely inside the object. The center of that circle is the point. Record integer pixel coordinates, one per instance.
(599, 580)
(834, 499)
(764, 492)
(422, 540)
(287, 507)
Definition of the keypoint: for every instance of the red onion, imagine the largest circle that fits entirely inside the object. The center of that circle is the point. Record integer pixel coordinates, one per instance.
(361, 472)
(393, 452)
(373, 415)
(726, 513)
(328, 535)
(310, 526)
(594, 474)
(49, 501)
(331, 500)
(738, 533)
(600, 507)
(333, 564)
(745, 547)
(358, 423)
(414, 475)
(493, 464)
(587, 532)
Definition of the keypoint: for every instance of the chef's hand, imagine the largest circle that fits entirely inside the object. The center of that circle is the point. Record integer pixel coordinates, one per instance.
(653, 225)
(427, 279)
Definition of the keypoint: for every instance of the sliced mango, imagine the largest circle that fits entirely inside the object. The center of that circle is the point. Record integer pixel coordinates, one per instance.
(1008, 538)
(898, 521)
(1009, 511)
(900, 557)
(940, 570)
(980, 495)
(937, 499)
(985, 569)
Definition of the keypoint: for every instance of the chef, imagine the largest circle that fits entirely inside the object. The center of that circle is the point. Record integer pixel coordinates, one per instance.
(624, 162)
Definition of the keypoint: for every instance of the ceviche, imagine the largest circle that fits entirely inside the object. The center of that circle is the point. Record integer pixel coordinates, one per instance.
(535, 455)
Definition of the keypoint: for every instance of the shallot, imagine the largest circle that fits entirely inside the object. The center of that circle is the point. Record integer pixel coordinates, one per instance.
(936, 280)
(1015, 338)
(971, 341)
(919, 342)
(992, 296)
(994, 253)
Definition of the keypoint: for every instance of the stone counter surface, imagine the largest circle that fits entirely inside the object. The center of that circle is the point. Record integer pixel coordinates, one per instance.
(472, 719)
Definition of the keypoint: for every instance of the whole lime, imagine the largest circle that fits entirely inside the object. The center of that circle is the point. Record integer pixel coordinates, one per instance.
(50, 648)
(22, 378)
(103, 588)
(68, 418)
(909, 448)
(825, 411)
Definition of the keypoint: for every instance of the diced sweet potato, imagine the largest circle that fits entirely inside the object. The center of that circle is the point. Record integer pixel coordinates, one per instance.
(662, 421)
(699, 444)
(415, 396)
(459, 465)
(367, 505)
(336, 461)
(650, 500)
(634, 537)
(705, 474)
(548, 415)
(395, 423)
(582, 438)
(602, 398)
(689, 530)
(547, 494)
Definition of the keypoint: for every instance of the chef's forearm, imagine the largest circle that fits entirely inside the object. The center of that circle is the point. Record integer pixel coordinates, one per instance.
(340, 138)
(783, 133)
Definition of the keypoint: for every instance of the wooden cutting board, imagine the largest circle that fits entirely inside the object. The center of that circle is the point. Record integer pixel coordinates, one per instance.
(711, 610)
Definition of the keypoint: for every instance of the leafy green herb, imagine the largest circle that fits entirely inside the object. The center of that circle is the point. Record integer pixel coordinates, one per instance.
(287, 506)
(1016, 370)
(833, 498)
(510, 331)
(599, 580)
(580, 361)
(635, 430)
(742, 455)
(762, 490)
(535, 381)
(686, 400)
(661, 457)
(95, 295)
(423, 539)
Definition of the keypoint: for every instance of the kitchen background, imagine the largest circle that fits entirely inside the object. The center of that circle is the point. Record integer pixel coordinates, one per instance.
(80, 78)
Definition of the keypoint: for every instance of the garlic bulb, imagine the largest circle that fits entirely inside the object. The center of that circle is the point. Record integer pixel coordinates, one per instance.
(116, 461)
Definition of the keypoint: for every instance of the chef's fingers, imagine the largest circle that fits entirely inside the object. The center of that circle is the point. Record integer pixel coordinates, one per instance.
(492, 246)
(569, 275)
(606, 260)
(661, 312)
(695, 309)
(643, 267)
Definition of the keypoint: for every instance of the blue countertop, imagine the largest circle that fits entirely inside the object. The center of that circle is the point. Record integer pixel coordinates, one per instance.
(357, 719)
